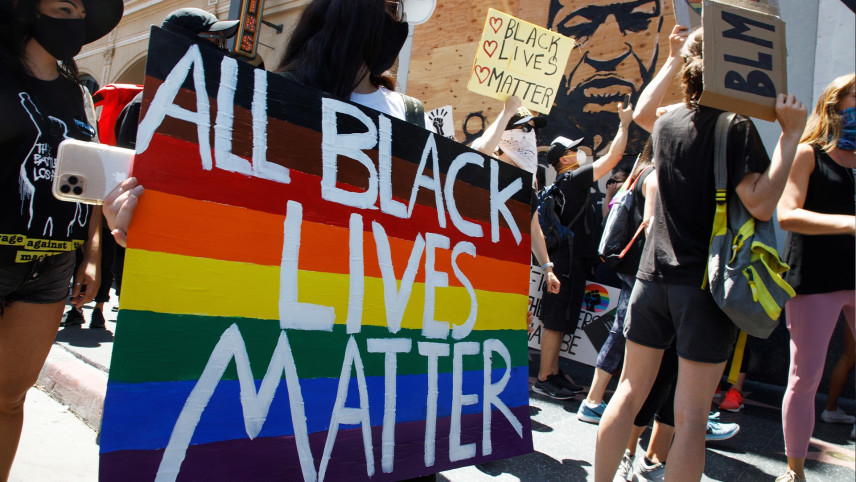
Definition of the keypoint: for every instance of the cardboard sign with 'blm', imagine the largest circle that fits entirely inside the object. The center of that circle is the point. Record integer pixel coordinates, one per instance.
(515, 57)
(744, 58)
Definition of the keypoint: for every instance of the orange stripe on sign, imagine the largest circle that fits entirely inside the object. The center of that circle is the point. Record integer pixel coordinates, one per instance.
(174, 224)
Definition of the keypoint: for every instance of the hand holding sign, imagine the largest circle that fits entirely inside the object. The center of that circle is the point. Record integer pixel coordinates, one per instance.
(744, 58)
(521, 59)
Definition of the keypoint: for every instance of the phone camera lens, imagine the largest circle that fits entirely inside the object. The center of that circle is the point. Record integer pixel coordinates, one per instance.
(65, 189)
(72, 180)
(78, 190)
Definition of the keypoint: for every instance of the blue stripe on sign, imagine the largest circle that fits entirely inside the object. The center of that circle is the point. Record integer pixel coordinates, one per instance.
(141, 416)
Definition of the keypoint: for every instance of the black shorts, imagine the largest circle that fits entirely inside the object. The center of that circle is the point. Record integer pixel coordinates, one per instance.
(660, 313)
(42, 281)
(561, 311)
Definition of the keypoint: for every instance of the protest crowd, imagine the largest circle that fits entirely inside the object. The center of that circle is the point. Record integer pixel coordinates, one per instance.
(670, 343)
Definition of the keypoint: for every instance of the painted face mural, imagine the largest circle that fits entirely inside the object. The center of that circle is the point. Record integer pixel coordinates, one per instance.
(618, 47)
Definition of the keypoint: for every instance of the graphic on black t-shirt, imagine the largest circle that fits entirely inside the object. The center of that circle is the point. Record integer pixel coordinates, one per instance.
(37, 171)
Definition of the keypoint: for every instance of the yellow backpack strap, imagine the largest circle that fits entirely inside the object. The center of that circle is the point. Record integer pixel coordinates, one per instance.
(720, 172)
(737, 359)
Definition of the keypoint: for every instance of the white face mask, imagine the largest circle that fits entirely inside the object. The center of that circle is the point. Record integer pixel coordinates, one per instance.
(582, 158)
(521, 147)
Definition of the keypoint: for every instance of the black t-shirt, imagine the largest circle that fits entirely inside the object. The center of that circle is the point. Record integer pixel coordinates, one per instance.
(683, 141)
(37, 115)
(576, 186)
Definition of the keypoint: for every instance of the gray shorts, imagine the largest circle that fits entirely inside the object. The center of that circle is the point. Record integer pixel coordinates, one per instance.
(42, 281)
(660, 313)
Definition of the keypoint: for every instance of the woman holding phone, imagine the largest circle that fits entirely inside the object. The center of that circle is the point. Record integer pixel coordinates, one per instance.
(42, 104)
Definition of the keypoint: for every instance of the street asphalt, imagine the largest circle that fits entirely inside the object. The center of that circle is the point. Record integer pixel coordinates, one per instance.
(76, 374)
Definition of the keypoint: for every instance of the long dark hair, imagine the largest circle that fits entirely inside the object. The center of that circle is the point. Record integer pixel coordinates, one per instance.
(16, 29)
(332, 44)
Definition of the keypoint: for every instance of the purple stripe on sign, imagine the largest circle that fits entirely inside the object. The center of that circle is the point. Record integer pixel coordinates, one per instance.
(275, 458)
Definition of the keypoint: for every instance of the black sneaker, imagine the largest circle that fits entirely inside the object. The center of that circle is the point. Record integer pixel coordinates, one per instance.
(567, 383)
(551, 387)
(96, 322)
(73, 318)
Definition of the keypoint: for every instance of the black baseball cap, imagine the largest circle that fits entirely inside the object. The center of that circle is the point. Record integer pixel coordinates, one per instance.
(198, 21)
(524, 115)
(559, 147)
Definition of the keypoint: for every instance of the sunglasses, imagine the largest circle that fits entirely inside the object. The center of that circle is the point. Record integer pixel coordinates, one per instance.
(525, 127)
(395, 8)
(218, 38)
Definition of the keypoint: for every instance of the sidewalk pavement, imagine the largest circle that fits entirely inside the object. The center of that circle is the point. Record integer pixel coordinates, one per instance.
(75, 374)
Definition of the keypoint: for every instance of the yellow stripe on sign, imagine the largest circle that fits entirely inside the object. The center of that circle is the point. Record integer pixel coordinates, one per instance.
(171, 283)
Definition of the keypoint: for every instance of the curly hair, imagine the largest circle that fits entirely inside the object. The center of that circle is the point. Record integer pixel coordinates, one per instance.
(691, 74)
(823, 128)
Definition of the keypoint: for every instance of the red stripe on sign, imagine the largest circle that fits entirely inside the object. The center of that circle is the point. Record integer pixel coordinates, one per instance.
(174, 167)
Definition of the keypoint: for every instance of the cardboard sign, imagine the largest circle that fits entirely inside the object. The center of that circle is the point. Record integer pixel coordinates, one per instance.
(744, 58)
(313, 290)
(515, 57)
(687, 13)
(440, 121)
(600, 304)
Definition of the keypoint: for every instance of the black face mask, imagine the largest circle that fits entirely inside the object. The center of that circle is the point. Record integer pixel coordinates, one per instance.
(61, 37)
(392, 38)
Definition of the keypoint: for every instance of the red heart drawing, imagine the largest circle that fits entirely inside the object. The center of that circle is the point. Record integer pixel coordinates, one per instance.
(495, 24)
(481, 71)
(489, 47)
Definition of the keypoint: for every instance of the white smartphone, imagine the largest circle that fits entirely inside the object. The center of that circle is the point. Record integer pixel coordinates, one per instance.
(86, 172)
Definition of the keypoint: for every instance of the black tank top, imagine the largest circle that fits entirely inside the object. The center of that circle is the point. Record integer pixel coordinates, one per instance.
(824, 263)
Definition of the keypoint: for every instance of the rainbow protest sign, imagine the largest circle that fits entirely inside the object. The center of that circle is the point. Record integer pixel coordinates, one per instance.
(312, 289)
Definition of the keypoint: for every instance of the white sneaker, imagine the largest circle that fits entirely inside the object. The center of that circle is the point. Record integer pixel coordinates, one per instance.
(644, 472)
(838, 416)
(625, 468)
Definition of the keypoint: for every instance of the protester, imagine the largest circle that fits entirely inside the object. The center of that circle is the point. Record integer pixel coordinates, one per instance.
(42, 103)
(817, 210)
(611, 354)
(575, 178)
(511, 137)
(667, 304)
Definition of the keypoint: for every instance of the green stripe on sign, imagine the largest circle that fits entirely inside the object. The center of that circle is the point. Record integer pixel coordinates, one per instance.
(166, 347)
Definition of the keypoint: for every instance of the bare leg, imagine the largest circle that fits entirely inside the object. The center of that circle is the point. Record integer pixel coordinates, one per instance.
(598, 386)
(661, 442)
(798, 466)
(27, 332)
(696, 384)
(839, 376)
(641, 364)
(551, 341)
(634, 438)
(738, 385)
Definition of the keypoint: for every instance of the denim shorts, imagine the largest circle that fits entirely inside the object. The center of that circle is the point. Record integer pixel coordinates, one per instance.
(42, 281)
(611, 354)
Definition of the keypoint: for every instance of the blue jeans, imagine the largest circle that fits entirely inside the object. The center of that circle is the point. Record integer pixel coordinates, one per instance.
(611, 354)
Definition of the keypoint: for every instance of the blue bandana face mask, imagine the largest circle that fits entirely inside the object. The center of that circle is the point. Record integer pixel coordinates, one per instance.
(847, 141)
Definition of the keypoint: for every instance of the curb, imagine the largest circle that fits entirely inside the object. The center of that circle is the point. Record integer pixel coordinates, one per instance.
(75, 383)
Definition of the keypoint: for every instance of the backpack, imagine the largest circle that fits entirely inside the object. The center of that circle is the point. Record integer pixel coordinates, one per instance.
(551, 205)
(743, 270)
(620, 232)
